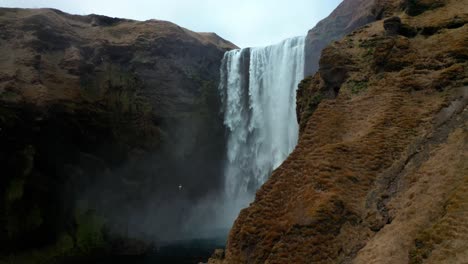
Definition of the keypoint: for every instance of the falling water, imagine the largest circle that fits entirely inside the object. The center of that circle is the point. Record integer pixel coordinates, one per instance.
(258, 91)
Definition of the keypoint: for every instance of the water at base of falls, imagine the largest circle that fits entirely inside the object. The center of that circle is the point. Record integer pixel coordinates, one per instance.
(183, 252)
(258, 91)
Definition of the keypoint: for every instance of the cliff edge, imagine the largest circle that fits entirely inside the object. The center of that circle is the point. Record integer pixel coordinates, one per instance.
(380, 172)
(96, 116)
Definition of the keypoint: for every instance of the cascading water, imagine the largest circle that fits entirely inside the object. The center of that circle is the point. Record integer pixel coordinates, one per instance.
(258, 91)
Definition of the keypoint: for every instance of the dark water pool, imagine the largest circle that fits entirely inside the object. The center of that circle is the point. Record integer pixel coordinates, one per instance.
(188, 252)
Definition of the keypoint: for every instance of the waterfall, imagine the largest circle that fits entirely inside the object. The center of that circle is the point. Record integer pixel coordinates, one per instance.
(258, 92)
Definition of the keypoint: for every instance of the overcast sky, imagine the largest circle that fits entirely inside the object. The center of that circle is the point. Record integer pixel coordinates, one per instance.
(247, 23)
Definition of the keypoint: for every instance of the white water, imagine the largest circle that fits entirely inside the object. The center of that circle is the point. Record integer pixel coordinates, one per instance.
(258, 90)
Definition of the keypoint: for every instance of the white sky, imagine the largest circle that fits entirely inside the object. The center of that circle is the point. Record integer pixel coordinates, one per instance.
(246, 23)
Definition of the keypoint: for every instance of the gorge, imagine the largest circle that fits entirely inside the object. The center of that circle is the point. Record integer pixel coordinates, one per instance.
(127, 141)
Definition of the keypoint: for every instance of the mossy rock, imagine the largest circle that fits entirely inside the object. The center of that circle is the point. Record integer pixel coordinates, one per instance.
(87, 239)
(89, 233)
(15, 190)
(313, 104)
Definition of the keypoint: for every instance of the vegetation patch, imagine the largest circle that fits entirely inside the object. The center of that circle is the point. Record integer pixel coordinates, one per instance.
(89, 233)
(369, 47)
(309, 96)
(357, 86)
(15, 190)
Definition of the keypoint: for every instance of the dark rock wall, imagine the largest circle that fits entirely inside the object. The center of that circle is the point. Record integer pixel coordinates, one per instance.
(103, 118)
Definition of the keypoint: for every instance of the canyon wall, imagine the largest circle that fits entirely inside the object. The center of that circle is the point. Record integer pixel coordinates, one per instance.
(380, 171)
(97, 114)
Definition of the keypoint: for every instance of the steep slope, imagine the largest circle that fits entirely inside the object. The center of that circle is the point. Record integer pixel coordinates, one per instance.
(96, 116)
(348, 16)
(380, 170)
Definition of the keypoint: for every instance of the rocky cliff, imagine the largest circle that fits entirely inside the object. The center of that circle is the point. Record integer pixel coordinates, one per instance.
(96, 116)
(380, 171)
(348, 16)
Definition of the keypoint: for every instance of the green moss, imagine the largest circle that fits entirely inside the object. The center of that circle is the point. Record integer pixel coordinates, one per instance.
(89, 233)
(357, 86)
(315, 101)
(64, 245)
(114, 85)
(126, 113)
(312, 105)
(15, 190)
(88, 237)
(369, 52)
(369, 43)
(10, 96)
(369, 47)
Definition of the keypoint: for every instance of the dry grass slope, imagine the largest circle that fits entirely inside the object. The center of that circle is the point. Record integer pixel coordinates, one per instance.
(379, 174)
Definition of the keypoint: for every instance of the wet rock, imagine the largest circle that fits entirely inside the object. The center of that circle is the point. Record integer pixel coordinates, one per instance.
(102, 102)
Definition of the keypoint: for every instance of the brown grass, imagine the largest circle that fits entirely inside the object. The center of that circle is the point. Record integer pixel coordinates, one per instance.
(338, 196)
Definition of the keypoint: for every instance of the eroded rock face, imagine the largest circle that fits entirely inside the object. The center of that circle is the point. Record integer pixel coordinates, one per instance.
(107, 114)
(380, 170)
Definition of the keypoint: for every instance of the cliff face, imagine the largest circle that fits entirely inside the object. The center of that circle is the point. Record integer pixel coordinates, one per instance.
(380, 172)
(348, 16)
(92, 110)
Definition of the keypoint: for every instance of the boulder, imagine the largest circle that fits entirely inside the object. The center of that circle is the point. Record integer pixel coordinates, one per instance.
(392, 25)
